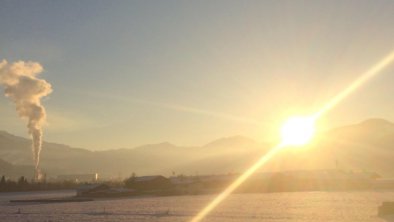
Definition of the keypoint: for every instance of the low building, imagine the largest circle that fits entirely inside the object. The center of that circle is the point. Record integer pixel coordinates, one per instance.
(79, 178)
(155, 182)
(187, 184)
(92, 189)
(102, 190)
(387, 183)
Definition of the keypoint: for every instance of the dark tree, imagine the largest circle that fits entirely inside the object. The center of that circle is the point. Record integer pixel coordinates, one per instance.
(2, 183)
(129, 181)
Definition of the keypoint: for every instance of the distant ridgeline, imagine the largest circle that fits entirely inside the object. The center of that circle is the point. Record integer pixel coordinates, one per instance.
(366, 146)
(13, 171)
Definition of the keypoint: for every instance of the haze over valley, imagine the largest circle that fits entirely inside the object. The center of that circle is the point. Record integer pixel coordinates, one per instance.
(366, 146)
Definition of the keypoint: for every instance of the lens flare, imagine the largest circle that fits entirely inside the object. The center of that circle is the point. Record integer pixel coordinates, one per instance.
(236, 183)
(373, 71)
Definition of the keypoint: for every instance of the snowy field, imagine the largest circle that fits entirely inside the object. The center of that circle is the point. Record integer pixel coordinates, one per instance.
(275, 207)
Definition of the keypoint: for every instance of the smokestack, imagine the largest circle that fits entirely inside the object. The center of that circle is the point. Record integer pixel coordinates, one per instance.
(26, 90)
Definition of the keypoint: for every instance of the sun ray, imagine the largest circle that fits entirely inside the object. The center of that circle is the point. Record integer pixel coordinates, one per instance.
(234, 185)
(172, 106)
(373, 71)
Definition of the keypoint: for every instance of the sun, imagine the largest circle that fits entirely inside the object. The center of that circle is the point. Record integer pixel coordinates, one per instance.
(298, 131)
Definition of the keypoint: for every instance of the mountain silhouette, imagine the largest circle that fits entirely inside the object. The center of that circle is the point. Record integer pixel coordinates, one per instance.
(366, 146)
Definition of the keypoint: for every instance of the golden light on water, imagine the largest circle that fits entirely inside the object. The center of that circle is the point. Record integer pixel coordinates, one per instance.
(296, 131)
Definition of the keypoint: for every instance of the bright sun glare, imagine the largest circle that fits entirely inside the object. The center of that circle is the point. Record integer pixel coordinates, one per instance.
(298, 131)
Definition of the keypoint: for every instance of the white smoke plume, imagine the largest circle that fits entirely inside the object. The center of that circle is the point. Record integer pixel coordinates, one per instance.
(26, 90)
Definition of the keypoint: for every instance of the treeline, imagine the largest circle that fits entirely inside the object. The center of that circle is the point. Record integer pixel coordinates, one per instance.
(22, 184)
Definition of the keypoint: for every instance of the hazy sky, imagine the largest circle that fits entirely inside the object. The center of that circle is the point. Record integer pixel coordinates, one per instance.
(126, 73)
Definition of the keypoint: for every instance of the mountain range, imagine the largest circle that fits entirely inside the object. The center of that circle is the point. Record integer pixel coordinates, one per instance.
(366, 146)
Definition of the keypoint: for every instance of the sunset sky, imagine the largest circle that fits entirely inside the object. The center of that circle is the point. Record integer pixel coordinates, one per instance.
(126, 73)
